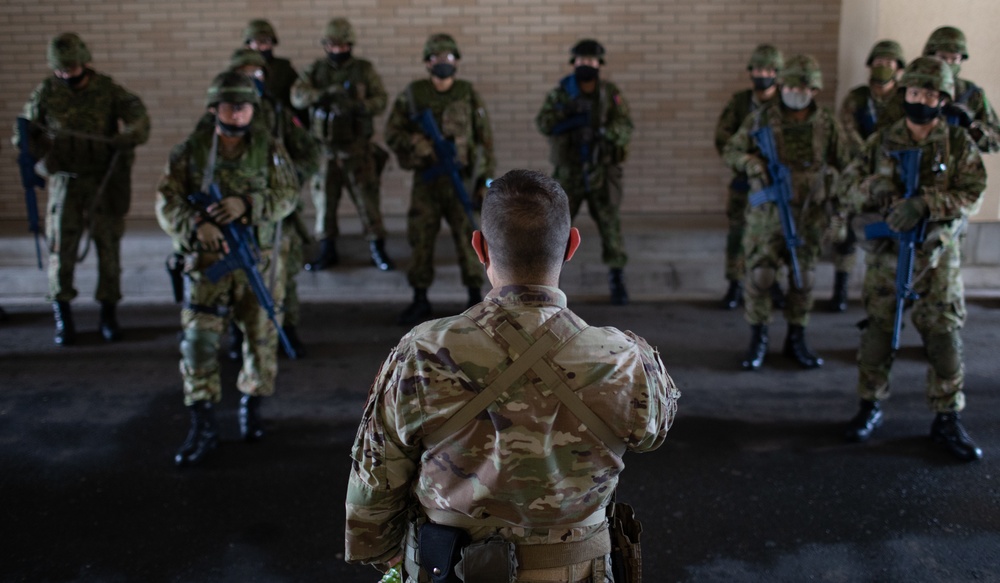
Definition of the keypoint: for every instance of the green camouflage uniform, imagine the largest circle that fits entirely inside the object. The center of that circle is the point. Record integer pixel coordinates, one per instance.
(813, 150)
(952, 179)
(76, 166)
(608, 137)
(461, 116)
(740, 105)
(261, 172)
(528, 462)
(342, 100)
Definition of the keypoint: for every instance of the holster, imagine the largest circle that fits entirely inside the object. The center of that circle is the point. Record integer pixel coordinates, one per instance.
(175, 271)
(440, 550)
(626, 557)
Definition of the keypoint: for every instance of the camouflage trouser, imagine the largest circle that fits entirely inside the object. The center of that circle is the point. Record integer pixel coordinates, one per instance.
(69, 215)
(603, 199)
(845, 254)
(207, 309)
(736, 209)
(429, 203)
(766, 252)
(359, 174)
(294, 251)
(938, 315)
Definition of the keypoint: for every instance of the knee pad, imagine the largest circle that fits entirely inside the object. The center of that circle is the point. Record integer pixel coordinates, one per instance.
(876, 346)
(944, 353)
(198, 348)
(762, 278)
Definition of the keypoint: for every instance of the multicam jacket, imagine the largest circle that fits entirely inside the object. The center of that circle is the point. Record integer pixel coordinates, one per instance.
(526, 460)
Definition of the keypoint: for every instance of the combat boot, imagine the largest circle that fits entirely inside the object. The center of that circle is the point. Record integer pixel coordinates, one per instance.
(619, 296)
(758, 347)
(947, 430)
(865, 422)
(777, 297)
(475, 296)
(327, 257)
(202, 438)
(293, 338)
(251, 428)
(418, 311)
(838, 302)
(235, 350)
(379, 257)
(734, 295)
(109, 322)
(795, 347)
(65, 329)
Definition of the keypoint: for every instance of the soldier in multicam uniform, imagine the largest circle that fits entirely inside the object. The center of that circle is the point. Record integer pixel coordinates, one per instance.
(460, 114)
(811, 144)
(952, 180)
(304, 152)
(343, 94)
(970, 108)
(259, 188)
(544, 483)
(75, 117)
(866, 110)
(588, 156)
(765, 63)
(259, 35)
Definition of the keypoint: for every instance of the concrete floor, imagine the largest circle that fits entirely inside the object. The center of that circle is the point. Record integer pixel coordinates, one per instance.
(754, 482)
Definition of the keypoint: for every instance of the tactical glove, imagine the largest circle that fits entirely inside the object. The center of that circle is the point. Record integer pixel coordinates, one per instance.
(961, 112)
(882, 190)
(906, 213)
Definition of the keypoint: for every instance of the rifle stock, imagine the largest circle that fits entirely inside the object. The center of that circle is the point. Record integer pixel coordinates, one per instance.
(780, 193)
(29, 182)
(447, 158)
(243, 255)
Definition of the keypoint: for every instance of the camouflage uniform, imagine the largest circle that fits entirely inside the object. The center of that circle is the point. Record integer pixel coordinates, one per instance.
(259, 170)
(952, 179)
(342, 99)
(740, 105)
(460, 114)
(79, 126)
(597, 180)
(281, 75)
(396, 478)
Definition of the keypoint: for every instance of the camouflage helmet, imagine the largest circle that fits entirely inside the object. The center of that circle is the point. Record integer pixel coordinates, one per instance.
(67, 50)
(340, 31)
(587, 47)
(766, 57)
(244, 57)
(440, 43)
(259, 28)
(948, 39)
(929, 73)
(231, 87)
(887, 48)
(801, 71)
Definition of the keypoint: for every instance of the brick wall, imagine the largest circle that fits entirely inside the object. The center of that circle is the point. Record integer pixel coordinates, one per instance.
(676, 61)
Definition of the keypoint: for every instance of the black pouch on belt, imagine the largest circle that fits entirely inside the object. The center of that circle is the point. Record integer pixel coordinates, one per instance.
(440, 550)
(489, 561)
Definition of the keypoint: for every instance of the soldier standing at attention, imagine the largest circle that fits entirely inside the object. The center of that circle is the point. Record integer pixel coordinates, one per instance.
(587, 121)
(525, 471)
(765, 63)
(343, 94)
(88, 127)
(460, 116)
(811, 145)
(259, 35)
(951, 181)
(866, 110)
(259, 188)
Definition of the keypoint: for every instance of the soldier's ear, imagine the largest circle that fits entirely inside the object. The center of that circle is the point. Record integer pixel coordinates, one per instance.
(573, 244)
(479, 245)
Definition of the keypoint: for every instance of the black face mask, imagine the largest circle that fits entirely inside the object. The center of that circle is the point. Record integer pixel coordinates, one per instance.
(443, 70)
(338, 58)
(75, 80)
(921, 114)
(268, 55)
(762, 83)
(585, 73)
(231, 130)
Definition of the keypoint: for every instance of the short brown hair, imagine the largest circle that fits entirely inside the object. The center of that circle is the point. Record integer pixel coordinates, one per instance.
(526, 223)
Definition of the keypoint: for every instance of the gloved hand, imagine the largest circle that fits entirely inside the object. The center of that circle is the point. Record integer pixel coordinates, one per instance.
(882, 190)
(756, 169)
(960, 111)
(122, 141)
(906, 213)
(836, 231)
